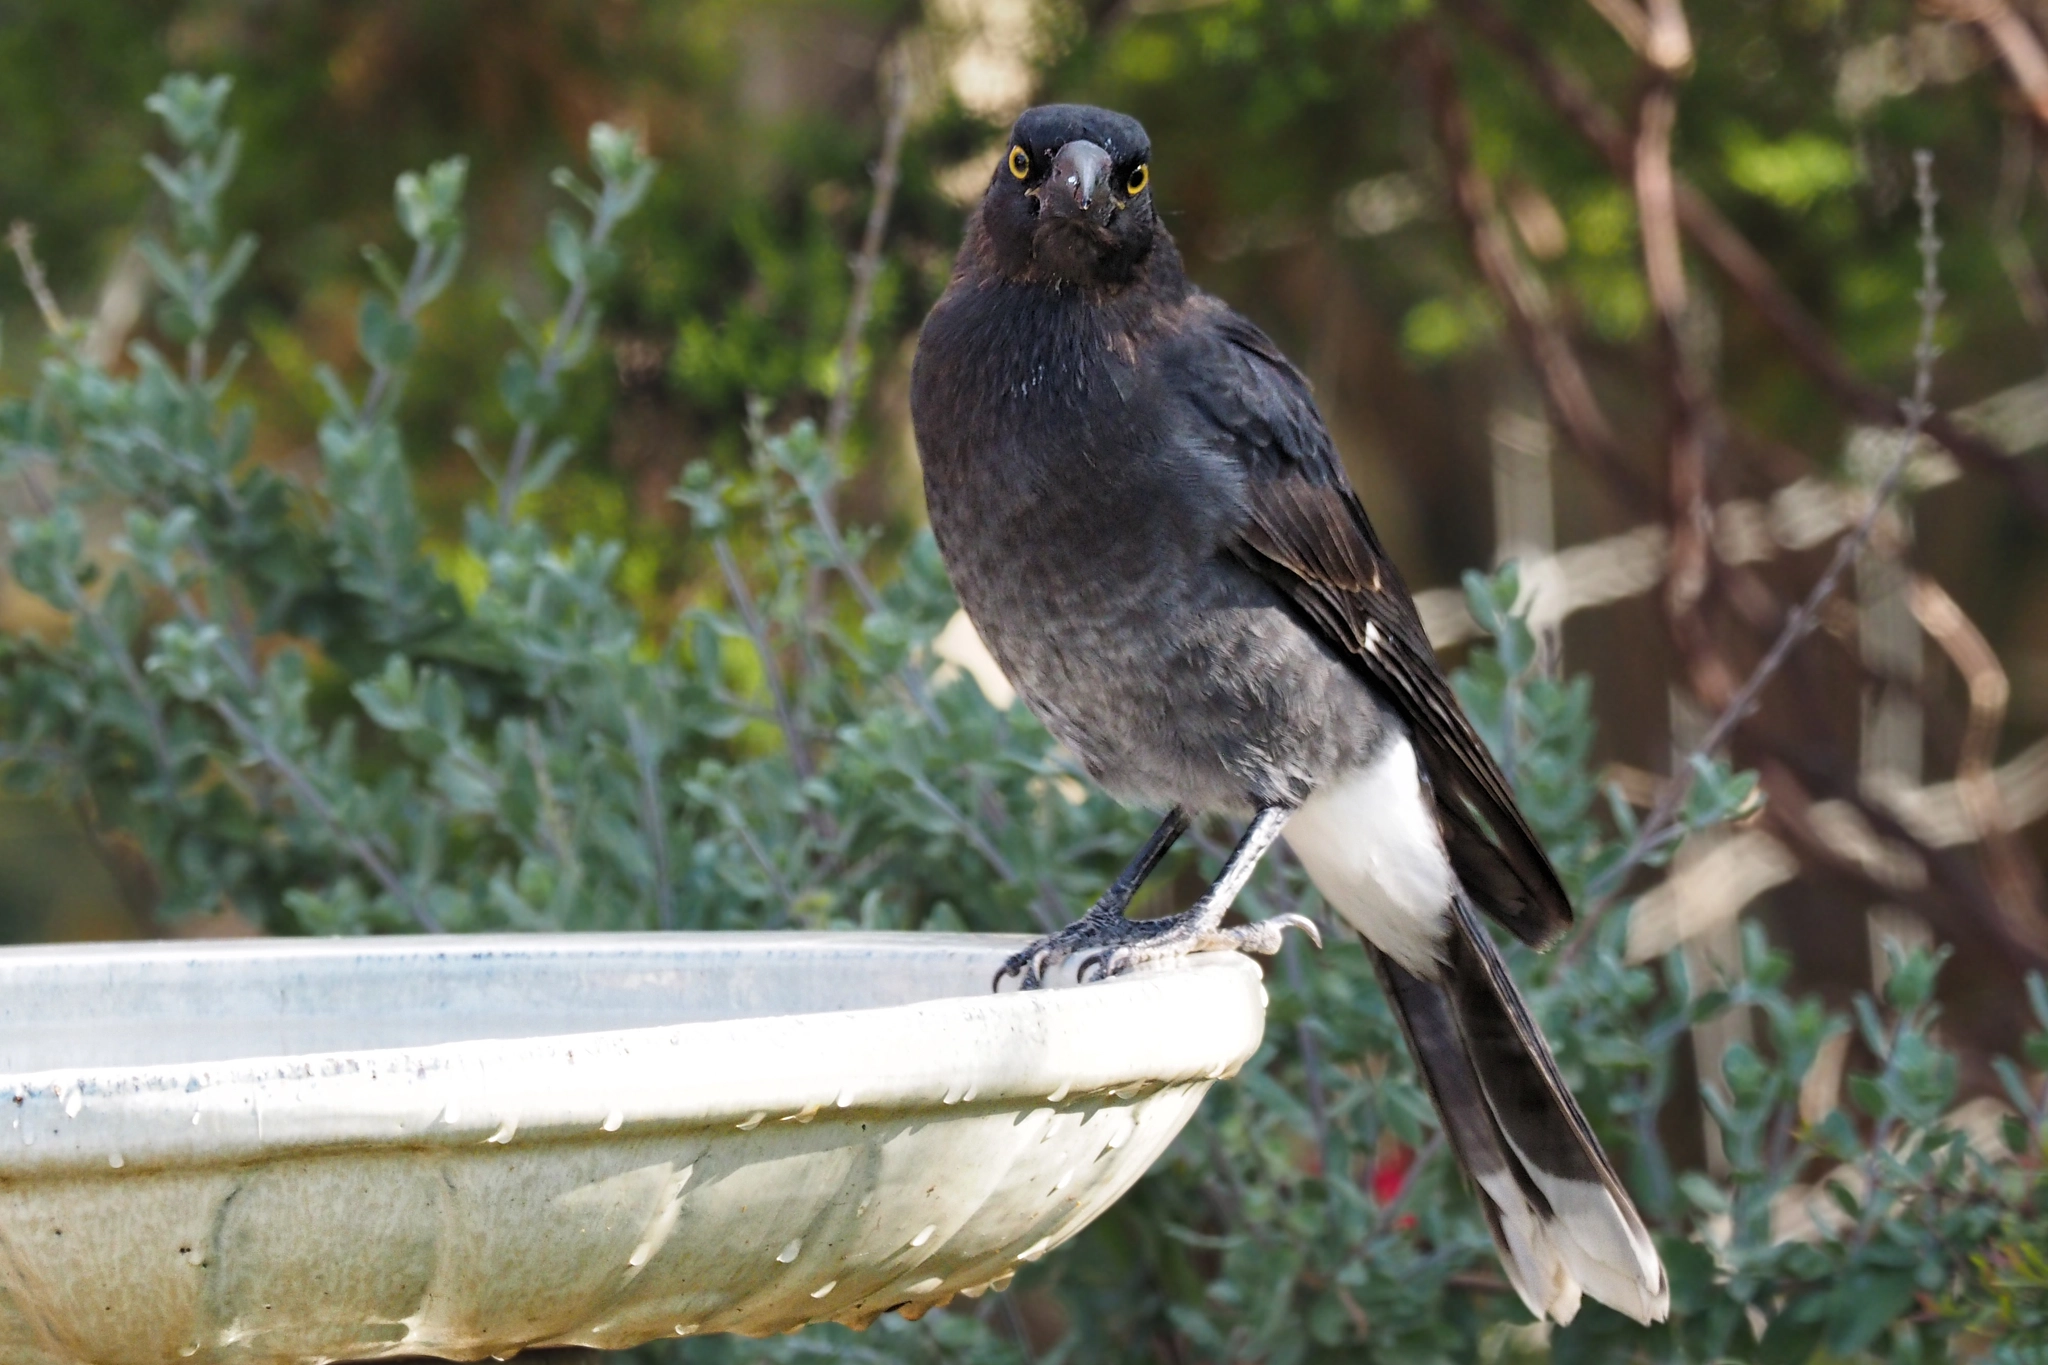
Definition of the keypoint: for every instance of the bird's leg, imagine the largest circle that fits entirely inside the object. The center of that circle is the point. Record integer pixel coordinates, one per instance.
(1199, 928)
(1097, 926)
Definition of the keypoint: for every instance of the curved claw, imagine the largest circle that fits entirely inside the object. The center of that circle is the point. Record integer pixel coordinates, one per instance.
(1023, 965)
(1100, 966)
(1301, 922)
(1264, 936)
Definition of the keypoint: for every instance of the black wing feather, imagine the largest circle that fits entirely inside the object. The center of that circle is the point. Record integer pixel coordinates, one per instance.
(1308, 536)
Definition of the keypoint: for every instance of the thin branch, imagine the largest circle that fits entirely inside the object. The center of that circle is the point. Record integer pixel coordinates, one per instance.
(1691, 426)
(1687, 400)
(22, 238)
(771, 671)
(737, 819)
(567, 322)
(1043, 907)
(653, 821)
(1744, 267)
(1916, 409)
(1530, 313)
(867, 266)
(385, 377)
(361, 848)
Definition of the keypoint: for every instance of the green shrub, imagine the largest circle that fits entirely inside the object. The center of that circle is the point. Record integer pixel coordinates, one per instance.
(300, 705)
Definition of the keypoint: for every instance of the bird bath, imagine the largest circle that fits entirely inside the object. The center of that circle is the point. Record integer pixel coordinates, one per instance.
(306, 1150)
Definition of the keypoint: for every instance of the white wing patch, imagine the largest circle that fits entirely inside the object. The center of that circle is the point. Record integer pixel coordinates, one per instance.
(1370, 842)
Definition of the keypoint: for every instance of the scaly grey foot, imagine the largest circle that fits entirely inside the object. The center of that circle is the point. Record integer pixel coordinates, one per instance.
(1114, 945)
(1146, 941)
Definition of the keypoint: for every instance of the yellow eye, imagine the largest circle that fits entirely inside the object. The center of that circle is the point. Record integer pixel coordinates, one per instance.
(1020, 162)
(1139, 179)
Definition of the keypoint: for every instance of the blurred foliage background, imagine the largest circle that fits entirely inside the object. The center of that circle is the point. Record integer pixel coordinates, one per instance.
(1448, 213)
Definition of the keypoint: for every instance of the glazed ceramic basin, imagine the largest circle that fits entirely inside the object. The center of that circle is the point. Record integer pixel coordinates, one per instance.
(299, 1150)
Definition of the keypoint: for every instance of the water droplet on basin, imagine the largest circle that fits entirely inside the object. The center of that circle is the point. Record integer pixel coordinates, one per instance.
(926, 1286)
(1036, 1249)
(1002, 1281)
(790, 1252)
(1052, 1127)
(1056, 1096)
(972, 1091)
(753, 1122)
(189, 1349)
(684, 1329)
(1061, 1183)
(1131, 1091)
(822, 1290)
(640, 1255)
(116, 1160)
(845, 1100)
(452, 1114)
(195, 1257)
(925, 1236)
(1216, 1071)
(74, 1102)
(195, 1118)
(506, 1130)
(613, 1120)
(953, 1092)
(803, 1115)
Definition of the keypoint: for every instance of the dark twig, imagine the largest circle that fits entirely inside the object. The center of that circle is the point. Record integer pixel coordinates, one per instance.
(1658, 826)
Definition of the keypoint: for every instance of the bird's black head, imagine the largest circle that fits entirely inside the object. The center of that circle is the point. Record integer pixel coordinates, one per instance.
(1070, 203)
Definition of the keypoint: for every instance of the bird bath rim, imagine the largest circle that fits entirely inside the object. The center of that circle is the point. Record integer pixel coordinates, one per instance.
(1017, 1117)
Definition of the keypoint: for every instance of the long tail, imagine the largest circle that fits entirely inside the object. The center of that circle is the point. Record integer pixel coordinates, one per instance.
(1559, 1214)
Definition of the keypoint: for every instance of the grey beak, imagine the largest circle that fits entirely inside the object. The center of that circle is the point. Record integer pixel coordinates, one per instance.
(1079, 184)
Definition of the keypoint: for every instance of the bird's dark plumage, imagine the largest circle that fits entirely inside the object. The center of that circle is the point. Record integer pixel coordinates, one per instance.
(1145, 517)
